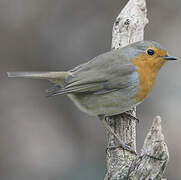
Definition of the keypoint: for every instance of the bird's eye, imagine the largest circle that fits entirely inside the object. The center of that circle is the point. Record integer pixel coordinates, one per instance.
(150, 52)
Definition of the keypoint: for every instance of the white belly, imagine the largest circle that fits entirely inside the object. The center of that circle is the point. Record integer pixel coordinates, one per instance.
(108, 104)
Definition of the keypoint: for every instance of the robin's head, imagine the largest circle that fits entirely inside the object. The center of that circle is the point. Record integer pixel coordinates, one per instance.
(149, 57)
(149, 53)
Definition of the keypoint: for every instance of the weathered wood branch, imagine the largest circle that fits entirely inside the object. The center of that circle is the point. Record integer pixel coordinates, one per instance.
(151, 162)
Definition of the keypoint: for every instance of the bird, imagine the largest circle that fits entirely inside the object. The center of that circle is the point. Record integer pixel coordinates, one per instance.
(111, 83)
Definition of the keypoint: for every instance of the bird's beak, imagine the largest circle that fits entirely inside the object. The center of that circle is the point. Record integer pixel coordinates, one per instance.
(167, 57)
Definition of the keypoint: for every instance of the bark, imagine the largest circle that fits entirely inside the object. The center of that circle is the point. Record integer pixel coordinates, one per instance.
(151, 162)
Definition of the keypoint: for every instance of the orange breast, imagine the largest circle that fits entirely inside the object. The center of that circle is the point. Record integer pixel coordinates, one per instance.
(147, 70)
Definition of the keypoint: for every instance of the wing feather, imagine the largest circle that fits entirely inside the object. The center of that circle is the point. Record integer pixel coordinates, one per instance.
(106, 73)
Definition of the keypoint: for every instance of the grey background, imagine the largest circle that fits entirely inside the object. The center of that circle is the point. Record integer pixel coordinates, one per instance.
(49, 138)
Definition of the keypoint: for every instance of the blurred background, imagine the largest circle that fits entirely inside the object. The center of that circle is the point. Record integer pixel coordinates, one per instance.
(49, 138)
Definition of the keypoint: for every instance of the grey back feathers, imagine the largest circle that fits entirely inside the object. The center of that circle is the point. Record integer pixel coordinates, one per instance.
(106, 72)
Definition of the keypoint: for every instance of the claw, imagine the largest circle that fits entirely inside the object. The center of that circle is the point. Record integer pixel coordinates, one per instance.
(124, 147)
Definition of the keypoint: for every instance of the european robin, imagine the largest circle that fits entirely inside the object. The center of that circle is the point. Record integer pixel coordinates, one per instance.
(111, 83)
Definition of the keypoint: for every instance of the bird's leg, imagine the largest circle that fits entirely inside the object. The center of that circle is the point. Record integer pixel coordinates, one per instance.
(130, 116)
(121, 143)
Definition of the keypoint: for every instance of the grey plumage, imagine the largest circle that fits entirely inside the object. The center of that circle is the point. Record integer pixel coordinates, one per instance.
(104, 85)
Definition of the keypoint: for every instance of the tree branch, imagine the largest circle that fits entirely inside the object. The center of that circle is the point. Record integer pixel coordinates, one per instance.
(154, 155)
(151, 163)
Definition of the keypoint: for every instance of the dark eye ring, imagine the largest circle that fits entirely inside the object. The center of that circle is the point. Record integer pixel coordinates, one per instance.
(150, 52)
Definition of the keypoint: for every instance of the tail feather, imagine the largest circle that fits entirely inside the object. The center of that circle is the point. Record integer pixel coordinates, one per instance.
(39, 75)
(55, 77)
(26, 74)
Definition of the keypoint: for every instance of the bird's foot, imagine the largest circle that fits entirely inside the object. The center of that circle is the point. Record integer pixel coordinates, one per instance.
(130, 116)
(124, 146)
(121, 144)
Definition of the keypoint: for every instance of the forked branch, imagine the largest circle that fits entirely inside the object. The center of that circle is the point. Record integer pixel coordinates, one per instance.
(151, 162)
